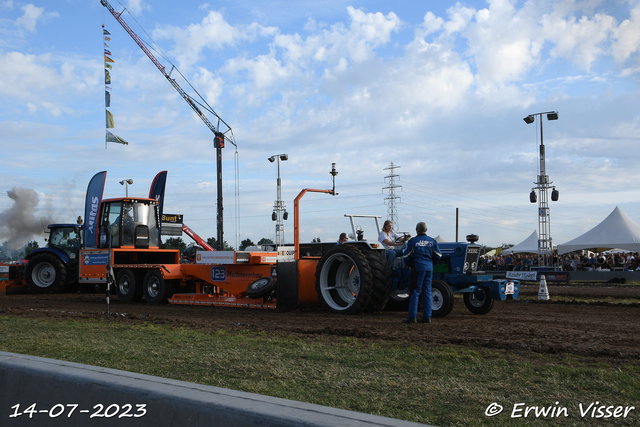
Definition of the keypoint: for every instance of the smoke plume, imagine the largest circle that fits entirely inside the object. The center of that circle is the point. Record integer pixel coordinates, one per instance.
(18, 224)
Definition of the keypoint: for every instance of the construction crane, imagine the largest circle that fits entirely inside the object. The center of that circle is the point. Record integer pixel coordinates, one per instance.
(222, 131)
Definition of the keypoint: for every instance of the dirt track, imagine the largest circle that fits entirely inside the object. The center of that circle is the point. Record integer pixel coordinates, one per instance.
(606, 331)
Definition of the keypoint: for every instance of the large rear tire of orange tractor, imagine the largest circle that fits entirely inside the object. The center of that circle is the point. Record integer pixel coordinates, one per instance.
(344, 280)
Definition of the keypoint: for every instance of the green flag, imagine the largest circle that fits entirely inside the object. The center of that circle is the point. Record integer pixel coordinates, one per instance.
(115, 138)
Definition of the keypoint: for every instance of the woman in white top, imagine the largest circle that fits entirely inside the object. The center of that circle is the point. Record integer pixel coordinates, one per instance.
(389, 238)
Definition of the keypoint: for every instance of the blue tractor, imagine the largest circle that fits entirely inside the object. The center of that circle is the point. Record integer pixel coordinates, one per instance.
(54, 268)
(455, 273)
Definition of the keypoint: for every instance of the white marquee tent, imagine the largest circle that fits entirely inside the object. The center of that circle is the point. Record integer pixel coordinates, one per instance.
(528, 246)
(617, 231)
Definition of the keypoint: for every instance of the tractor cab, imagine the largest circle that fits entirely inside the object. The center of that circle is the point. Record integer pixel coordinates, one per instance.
(67, 238)
(129, 223)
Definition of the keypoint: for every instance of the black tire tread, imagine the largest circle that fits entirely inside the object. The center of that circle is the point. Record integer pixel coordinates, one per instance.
(166, 291)
(447, 294)
(360, 304)
(382, 282)
(58, 285)
(264, 290)
(136, 294)
(484, 308)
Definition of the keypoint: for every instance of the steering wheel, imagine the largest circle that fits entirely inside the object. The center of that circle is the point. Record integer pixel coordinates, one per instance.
(404, 237)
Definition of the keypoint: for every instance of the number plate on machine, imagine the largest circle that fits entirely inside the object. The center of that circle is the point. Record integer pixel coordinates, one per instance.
(218, 274)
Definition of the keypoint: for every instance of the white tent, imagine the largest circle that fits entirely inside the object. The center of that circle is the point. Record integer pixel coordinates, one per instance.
(528, 246)
(439, 239)
(617, 231)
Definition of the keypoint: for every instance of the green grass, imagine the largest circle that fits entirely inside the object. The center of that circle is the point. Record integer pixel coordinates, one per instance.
(446, 386)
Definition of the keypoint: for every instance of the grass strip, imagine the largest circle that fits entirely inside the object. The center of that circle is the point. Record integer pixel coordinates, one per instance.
(446, 386)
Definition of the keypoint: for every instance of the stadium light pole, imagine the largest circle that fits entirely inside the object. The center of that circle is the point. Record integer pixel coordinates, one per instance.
(126, 183)
(545, 242)
(279, 209)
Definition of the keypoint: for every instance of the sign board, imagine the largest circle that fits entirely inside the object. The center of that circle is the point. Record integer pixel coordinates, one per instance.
(215, 257)
(4, 272)
(557, 277)
(522, 275)
(172, 219)
(95, 259)
(268, 259)
(171, 225)
(534, 276)
(286, 254)
(510, 289)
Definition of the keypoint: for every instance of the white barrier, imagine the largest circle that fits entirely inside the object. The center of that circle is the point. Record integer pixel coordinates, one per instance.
(35, 391)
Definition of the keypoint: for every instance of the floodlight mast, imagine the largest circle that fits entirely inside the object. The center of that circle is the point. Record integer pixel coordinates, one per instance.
(545, 242)
(278, 207)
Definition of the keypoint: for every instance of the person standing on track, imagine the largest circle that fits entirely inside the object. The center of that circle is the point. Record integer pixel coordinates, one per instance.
(421, 251)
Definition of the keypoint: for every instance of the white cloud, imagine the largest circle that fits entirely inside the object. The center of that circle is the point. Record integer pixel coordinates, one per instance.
(431, 24)
(582, 40)
(31, 16)
(34, 80)
(459, 18)
(210, 85)
(213, 32)
(29, 19)
(137, 6)
(431, 77)
(627, 36)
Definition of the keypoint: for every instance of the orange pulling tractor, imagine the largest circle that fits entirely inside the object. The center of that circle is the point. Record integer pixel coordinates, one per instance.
(119, 246)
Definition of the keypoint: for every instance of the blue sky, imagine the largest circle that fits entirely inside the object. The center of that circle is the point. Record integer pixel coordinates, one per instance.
(438, 88)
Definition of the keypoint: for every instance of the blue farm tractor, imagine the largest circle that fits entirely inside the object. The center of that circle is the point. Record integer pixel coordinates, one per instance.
(54, 268)
(389, 286)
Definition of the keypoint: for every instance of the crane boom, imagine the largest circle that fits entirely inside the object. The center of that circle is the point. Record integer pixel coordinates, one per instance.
(219, 136)
(199, 240)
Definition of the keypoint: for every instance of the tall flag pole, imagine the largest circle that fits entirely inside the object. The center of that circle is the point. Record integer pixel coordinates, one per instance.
(110, 137)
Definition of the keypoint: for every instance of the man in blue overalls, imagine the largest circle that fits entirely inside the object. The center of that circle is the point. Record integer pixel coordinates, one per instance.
(421, 251)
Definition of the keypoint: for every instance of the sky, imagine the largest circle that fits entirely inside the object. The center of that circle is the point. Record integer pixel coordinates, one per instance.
(438, 89)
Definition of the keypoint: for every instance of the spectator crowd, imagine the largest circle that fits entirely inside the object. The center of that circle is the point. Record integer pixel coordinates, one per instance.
(622, 261)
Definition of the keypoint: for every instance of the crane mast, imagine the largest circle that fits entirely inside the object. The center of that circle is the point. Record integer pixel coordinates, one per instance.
(219, 137)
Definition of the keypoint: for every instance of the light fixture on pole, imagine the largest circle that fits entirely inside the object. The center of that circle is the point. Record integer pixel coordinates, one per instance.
(279, 209)
(545, 243)
(126, 183)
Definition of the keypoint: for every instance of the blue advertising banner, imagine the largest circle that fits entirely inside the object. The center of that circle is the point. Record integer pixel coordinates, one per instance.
(91, 206)
(157, 192)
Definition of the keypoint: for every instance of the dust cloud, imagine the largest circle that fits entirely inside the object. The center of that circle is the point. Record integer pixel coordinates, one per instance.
(19, 224)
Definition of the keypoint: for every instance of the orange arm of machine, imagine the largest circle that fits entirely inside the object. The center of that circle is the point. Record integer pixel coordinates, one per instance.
(296, 216)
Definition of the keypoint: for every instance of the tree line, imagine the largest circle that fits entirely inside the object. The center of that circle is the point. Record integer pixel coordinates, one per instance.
(178, 243)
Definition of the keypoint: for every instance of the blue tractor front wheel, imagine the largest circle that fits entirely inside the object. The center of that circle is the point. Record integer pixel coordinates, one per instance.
(478, 302)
